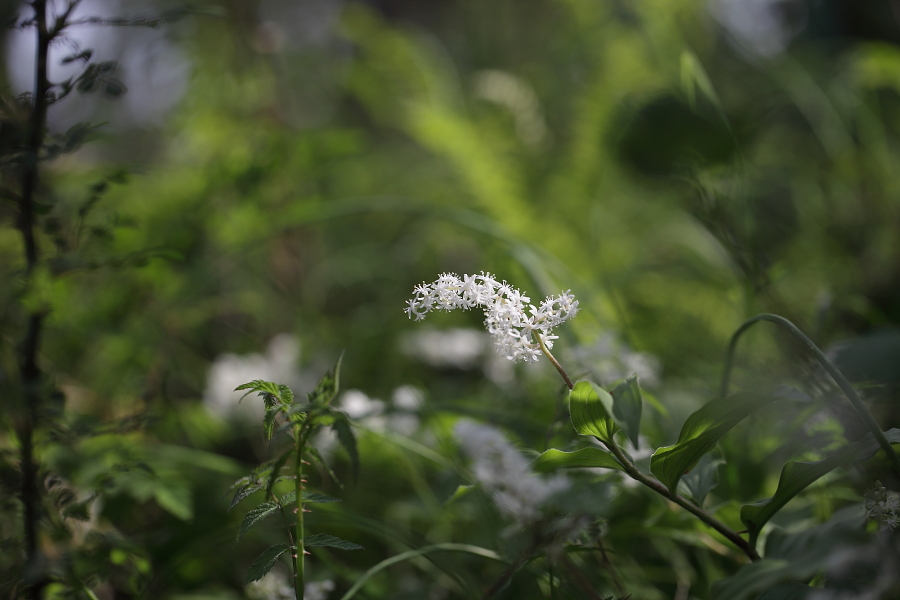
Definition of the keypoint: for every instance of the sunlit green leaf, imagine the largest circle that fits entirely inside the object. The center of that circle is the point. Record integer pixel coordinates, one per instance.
(264, 562)
(553, 459)
(590, 408)
(700, 433)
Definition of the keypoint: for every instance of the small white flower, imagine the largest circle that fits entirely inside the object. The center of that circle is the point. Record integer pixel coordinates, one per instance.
(508, 316)
(883, 507)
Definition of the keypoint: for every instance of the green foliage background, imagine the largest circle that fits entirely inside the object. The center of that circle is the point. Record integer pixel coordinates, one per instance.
(625, 151)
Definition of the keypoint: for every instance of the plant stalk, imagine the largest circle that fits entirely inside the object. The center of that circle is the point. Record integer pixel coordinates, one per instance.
(299, 573)
(555, 362)
(28, 367)
(683, 502)
(838, 377)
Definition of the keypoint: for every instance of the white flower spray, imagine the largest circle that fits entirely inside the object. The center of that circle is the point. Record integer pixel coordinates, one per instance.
(521, 331)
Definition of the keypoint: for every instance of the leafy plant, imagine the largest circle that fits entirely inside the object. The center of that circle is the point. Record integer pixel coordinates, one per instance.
(289, 418)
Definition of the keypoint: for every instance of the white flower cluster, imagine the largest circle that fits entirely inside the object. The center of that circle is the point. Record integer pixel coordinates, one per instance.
(503, 472)
(508, 316)
(882, 506)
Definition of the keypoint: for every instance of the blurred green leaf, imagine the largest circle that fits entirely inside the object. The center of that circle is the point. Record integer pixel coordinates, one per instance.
(461, 490)
(700, 433)
(347, 439)
(553, 459)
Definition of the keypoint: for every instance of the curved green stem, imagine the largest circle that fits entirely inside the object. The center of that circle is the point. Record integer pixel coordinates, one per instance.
(838, 377)
(553, 360)
(449, 547)
(683, 502)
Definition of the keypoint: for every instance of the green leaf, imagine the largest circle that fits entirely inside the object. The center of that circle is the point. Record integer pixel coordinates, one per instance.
(627, 407)
(243, 492)
(253, 517)
(269, 423)
(700, 433)
(590, 408)
(114, 87)
(702, 479)
(796, 476)
(313, 497)
(276, 470)
(348, 441)
(318, 540)
(554, 459)
(327, 387)
(461, 490)
(264, 563)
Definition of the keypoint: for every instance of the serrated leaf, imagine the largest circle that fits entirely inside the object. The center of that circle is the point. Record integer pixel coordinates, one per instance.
(627, 407)
(327, 387)
(243, 493)
(554, 459)
(269, 423)
(347, 439)
(797, 476)
(700, 434)
(266, 509)
(590, 408)
(318, 540)
(264, 562)
(312, 497)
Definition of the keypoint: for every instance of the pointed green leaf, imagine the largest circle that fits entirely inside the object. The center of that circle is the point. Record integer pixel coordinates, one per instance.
(243, 492)
(461, 490)
(627, 407)
(264, 563)
(796, 476)
(253, 517)
(348, 441)
(554, 459)
(327, 387)
(323, 539)
(313, 497)
(591, 408)
(700, 433)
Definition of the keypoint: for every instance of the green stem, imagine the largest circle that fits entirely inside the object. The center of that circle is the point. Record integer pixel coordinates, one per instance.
(299, 573)
(683, 502)
(838, 377)
(553, 360)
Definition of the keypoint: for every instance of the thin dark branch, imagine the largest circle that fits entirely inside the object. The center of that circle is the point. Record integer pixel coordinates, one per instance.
(30, 373)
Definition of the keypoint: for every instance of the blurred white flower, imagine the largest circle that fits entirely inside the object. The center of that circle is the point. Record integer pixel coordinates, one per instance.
(458, 348)
(358, 405)
(503, 472)
(276, 586)
(278, 364)
(508, 317)
(611, 360)
(760, 27)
